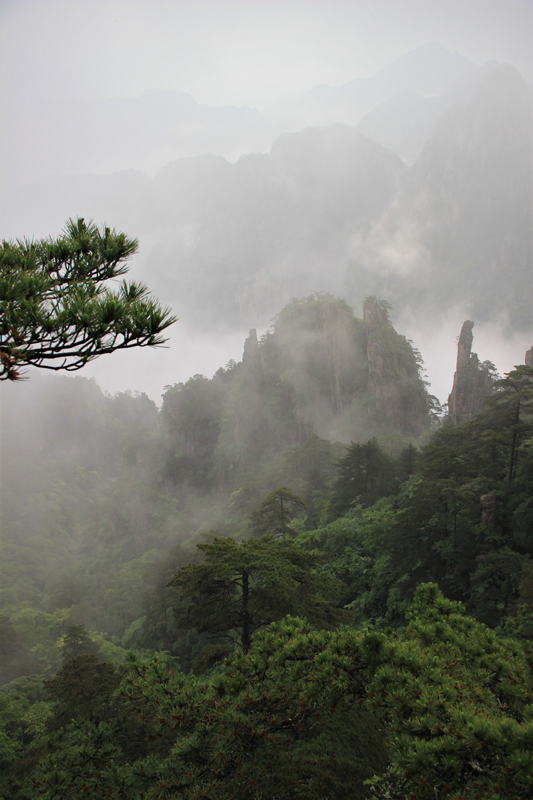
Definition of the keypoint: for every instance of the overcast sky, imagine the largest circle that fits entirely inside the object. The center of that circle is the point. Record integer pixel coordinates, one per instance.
(229, 52)
(236, 51)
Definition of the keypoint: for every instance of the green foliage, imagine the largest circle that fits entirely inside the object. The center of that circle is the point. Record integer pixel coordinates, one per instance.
(309, 468)
(81, 690)
(441, 532)
(15, 658)
(191, 417)
(510, 413)
(495, 583)
(157, 628)
(459, 702)
(365, 474)
(106, 501)
(98, 489)
(76, 642)
(24, 713)
(360, 558)
(283, 722)
(301, 715)
(407, 462)
(55, 311)
(243, 587)
(84, 518)
(276, 512)
(82, 715)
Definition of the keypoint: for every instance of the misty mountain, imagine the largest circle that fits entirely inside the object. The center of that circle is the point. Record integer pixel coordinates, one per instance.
(262, 231)
(459, 229)
(114, 482)
(228, 244)
(328, 209)
(406, 121)
(147, 131)
(427, 70)
(143, 132)
(319, 372)
(161, 125)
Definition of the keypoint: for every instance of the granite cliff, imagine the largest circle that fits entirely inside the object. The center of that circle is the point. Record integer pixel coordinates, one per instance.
(472, 381)
(318, 371)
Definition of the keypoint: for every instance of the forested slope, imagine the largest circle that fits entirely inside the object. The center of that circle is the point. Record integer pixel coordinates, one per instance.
(322, 485)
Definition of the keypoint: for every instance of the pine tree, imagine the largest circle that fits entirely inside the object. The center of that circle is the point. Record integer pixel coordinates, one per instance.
(55, 310)
(243, 587)
(276, 513)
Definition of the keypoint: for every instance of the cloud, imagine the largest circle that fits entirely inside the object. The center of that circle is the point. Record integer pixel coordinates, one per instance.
(392, 246)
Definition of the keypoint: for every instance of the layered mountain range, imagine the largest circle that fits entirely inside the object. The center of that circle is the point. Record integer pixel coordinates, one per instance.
(145, 132)
(429, 72)
(329, 209)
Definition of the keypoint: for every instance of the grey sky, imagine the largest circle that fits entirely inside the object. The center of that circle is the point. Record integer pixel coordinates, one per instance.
(236, 51)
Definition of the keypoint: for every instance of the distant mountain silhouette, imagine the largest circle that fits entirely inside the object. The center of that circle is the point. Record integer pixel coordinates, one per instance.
(428, 70)
(464, 212)
(328, 209)
(405, 122)
(143, 132)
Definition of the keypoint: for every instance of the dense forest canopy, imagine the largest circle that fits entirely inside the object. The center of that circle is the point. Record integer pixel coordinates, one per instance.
(297, 574)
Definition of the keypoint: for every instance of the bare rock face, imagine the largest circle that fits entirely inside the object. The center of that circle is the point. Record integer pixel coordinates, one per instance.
(471, 382)
(251, 357)
(374, 313)
(376, 322)
(321, 370)
(393, 378)
(464, 346)
(321, 360)
(529, 357)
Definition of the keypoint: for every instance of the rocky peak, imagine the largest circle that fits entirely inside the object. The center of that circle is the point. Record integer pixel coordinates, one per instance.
(393, 378)
(464, 346)
(251, 357)
(330, 373)
(375, 313)
(471, 382)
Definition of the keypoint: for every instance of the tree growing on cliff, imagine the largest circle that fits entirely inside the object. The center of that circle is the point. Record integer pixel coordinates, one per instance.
(55, 310)
(243, 587)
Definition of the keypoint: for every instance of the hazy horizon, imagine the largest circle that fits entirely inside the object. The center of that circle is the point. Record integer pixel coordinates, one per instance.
(59, 56)
(235, 52)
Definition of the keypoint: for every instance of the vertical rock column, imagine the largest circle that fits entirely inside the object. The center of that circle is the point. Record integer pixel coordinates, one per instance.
(251, 357)
(471, 382)
(375, 319)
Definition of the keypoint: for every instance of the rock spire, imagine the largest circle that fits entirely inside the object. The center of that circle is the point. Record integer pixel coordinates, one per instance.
(471, 382)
